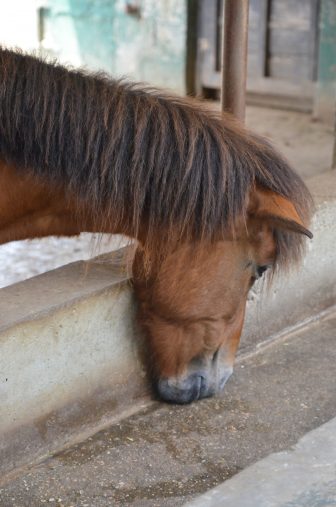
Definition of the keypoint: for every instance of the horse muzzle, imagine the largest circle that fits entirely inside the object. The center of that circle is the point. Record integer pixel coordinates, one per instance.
(193, 386)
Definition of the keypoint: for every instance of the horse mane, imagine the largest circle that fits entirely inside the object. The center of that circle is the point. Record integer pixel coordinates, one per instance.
(136, 155)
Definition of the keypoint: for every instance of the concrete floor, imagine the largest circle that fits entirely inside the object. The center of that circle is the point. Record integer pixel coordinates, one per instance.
(311, 462)
(306, 143)
(167, 455)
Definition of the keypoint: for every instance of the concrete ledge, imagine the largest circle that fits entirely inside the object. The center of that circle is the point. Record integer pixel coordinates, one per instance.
(70, 357)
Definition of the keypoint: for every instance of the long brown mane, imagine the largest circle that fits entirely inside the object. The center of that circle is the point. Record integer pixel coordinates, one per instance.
(138, 155)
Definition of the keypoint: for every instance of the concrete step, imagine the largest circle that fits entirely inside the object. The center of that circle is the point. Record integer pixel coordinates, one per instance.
(166, 455)
(308, 472)
(70, 354)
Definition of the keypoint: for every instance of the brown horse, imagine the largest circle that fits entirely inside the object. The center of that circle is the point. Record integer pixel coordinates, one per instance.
(211, 204)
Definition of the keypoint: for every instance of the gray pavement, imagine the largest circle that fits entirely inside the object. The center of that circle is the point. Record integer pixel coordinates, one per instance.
(167, 455)
(302, 477)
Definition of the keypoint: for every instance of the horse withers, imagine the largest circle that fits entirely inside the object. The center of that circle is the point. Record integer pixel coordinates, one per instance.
(211, 205)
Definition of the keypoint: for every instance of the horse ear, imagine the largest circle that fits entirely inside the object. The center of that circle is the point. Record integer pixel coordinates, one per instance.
(277, 210)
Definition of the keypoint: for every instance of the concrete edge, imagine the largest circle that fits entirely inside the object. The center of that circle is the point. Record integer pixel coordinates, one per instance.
(77, 280)
(270, 482)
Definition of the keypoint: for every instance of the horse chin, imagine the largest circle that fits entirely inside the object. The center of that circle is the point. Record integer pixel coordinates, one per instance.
(193, 386)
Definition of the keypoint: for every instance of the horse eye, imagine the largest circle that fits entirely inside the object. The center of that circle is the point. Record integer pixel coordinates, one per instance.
(261, 270)
(258, 271)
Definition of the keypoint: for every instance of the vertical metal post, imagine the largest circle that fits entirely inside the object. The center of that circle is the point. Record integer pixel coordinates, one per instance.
(191, 49)
(234, 56)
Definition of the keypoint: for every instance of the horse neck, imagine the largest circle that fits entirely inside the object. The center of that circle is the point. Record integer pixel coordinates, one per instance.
(31, 207)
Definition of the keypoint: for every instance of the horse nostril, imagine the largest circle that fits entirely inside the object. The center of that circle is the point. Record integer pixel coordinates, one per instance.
(215, 356)
(224, 376)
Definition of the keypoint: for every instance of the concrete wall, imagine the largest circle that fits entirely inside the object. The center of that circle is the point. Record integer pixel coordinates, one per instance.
(69, 358)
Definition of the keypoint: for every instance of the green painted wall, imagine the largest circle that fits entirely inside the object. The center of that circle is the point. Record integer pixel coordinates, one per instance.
(327, 46)
(100, 34)
(326, 81)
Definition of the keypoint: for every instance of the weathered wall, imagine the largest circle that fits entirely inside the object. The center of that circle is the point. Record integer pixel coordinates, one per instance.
(146, 45)
(325, 104)
(102, 34)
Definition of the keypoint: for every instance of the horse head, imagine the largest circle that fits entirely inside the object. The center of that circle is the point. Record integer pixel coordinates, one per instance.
(211, 204)
(192, 304)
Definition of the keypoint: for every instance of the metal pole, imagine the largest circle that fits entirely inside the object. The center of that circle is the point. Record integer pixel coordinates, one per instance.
(234, 56)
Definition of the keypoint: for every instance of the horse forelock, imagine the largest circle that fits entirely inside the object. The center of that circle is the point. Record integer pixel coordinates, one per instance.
(159, 166)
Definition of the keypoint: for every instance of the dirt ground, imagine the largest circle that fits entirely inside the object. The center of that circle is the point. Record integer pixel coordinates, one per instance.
(307, 144)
